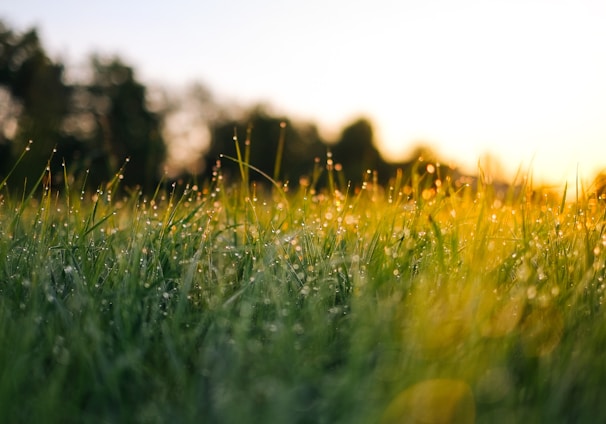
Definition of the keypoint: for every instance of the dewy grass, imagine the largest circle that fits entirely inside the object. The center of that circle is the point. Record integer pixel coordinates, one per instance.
(233, 303)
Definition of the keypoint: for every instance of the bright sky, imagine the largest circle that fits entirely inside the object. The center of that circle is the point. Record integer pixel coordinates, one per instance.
(521, 79)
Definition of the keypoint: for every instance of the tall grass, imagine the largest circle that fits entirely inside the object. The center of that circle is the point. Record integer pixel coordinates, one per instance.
(231, 302)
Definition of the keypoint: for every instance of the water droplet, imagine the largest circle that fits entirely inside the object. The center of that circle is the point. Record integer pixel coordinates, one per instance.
(531, 292)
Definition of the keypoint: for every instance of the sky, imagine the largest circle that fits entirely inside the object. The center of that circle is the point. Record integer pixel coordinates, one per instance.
(521, 80)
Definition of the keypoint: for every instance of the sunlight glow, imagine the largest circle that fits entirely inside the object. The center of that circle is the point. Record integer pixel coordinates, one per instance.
(523, 86)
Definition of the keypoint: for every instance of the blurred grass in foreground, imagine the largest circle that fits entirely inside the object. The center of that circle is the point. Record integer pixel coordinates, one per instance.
(235, 303)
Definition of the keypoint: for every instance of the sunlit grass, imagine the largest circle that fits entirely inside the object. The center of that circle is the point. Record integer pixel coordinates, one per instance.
(245, 302)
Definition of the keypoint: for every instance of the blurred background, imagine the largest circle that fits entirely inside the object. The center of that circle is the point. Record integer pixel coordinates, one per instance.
(508, 84)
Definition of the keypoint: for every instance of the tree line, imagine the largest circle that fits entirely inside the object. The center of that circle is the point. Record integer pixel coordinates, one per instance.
(94, 123)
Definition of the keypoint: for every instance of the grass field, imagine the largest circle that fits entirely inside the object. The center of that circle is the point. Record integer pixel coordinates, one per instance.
(233, 303)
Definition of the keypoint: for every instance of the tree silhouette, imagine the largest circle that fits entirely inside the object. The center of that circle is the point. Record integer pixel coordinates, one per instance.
(94, 125)
(114, 109)
(357, 153)
(302, 144)
(35, 84)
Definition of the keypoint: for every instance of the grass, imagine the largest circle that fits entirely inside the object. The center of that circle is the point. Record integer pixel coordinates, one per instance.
(232, 302)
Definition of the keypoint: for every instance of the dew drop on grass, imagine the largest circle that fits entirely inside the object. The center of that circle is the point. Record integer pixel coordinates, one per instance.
(531, 292)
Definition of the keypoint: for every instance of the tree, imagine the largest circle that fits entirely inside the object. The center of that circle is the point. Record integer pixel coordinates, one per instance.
(357, 153)
(94, 125)
(113, 107)
(37, 97)
(301, 145)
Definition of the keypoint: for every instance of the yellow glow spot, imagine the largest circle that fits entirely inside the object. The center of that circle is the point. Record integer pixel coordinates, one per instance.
(428, 193)
(433, 401)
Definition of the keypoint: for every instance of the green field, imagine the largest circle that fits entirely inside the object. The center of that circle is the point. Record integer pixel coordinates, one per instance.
(236, 302)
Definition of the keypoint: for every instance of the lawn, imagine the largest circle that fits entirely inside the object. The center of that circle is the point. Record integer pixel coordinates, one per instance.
(233, 302)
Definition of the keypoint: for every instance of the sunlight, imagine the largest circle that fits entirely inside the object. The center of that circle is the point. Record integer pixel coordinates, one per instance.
(516, 80)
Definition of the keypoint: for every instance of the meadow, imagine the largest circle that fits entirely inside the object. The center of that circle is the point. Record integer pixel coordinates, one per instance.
(425, 300)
